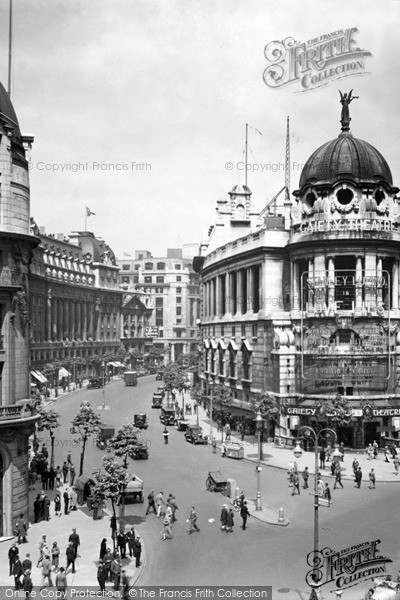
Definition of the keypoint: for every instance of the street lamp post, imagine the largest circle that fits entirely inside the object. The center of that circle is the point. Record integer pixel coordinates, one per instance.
(259, 422)
(309, 432)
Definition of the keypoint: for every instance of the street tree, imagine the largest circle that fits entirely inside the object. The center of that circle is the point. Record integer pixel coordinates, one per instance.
(86, 423)
(175, 378)
(49, 421)
(268, 405)
(110, 483)
(190, 360)
(126, 438)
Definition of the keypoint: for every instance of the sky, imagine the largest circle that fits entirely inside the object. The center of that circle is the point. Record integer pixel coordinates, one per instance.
(138, 107)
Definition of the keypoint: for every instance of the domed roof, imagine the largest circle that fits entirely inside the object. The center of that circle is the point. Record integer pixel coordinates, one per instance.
(346, 157)
(240, 189)
(9, 117)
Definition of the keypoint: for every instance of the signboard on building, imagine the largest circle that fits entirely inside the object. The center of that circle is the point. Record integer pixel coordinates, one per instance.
(346, 337)
(151, 331)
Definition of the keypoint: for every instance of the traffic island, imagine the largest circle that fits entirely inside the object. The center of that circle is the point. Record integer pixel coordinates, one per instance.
(267, 515)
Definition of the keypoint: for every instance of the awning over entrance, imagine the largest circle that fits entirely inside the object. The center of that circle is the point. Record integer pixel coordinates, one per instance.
(63, 372)
(39, 376)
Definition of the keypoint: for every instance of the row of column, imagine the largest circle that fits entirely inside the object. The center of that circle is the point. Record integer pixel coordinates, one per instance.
(73, 318)
(363, 292)
(234, 292)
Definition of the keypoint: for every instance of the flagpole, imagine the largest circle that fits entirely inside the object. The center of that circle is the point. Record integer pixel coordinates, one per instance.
(9, 48)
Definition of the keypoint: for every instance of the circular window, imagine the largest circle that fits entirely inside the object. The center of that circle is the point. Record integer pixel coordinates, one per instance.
(344, 197)
(379, 197)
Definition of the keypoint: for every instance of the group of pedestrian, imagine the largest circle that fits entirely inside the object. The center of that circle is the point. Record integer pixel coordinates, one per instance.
(41, 508)
(20, 570)
(227, 516)
(109, 567)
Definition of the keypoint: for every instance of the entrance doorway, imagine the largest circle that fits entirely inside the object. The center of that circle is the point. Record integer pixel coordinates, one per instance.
(371, 433)
(345, 435)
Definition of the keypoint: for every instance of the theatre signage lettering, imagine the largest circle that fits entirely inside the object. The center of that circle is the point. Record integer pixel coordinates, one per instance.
(310, 411)
(347, 567)
(345, 225)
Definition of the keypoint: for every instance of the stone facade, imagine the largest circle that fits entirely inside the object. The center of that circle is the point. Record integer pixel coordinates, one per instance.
(173, 288)
(303, 303)
(17, 415)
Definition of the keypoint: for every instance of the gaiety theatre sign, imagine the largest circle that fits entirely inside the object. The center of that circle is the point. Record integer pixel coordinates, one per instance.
(315, 62)
(345, 225)
(347, 567)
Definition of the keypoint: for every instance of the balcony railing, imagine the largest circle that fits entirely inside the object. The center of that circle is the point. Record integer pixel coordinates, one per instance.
(16, 411)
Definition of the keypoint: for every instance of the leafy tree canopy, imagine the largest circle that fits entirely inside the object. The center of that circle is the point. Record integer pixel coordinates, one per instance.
(86, 422)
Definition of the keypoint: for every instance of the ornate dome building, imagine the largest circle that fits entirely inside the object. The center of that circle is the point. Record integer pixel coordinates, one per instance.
(321, 316)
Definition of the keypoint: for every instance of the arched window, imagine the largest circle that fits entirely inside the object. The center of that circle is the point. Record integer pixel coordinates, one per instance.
(310, 199)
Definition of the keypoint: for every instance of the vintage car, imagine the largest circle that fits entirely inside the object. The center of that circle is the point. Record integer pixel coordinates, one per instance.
(182, 424)
(159, 375)
(167, 416)
(130, 378)
(139, 451)
(194, 434)
(94, 383)
(104, 434)
(134, 489)
(157, 400)
(140, 421)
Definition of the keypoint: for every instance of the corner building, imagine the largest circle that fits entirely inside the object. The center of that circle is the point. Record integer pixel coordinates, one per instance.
(305, 304)
(17, 415)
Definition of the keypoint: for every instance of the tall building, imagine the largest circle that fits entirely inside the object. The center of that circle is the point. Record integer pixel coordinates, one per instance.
(17, 415)
(79, 314)
(174, 290)
(304, 302)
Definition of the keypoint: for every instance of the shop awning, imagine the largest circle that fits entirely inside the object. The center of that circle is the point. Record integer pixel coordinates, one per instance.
(39, 376)
(63, 372)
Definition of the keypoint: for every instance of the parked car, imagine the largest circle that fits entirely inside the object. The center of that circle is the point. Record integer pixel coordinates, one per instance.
(140, 421)
(167, 416)
(104, 434)
(194, 434)
(157, 400)
(159, 375)
(139, 451)
(182, 424)
(94, 382)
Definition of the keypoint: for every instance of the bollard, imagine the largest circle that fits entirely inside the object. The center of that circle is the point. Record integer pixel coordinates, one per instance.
(281, 516)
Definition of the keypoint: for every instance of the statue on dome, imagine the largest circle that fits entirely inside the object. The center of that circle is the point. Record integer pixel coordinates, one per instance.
(345, 100)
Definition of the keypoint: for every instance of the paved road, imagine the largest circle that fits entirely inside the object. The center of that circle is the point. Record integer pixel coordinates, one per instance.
(261, 555)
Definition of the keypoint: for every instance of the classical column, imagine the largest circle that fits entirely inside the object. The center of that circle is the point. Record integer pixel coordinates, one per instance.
(217, 296)
(228, 299)
(233, 292)
(379, 280)
(295, 287)
(66, 318)
(359, 284)
(61, 320)
(311, 282)
(172, 352)
(90, 320)
(239, 291)
(78, 314)
(84, 319)
(72, 306)
(331, 283)
(395, 285)
(249, 289)
(54, 320)
(49, 310)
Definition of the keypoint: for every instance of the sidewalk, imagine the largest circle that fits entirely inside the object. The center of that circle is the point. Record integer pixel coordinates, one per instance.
(58, 529)
(280, 457)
